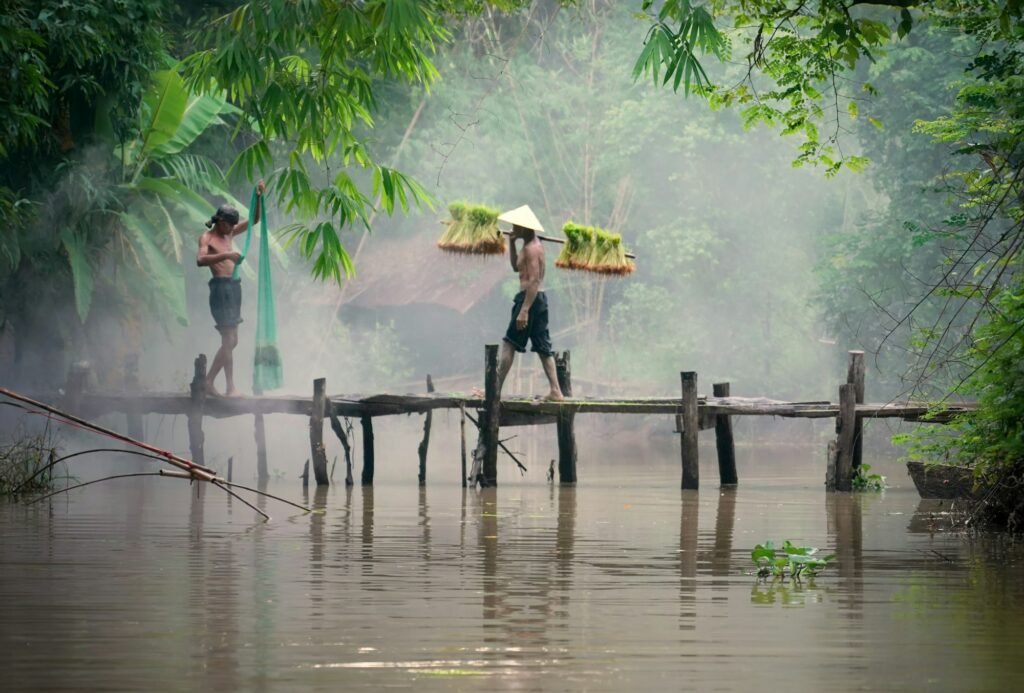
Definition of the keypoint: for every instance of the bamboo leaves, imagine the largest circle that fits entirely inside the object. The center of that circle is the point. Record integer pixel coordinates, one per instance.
(303, 74)
(675, 49)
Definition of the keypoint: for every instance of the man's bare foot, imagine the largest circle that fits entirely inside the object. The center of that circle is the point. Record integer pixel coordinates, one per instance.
(554, 396)
(232, 392)
(477, 392)
(210, 391)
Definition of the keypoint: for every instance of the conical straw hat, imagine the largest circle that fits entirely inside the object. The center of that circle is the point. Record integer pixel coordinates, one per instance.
(522, 216)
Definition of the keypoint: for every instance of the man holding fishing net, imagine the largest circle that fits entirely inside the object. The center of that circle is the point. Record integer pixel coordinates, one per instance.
(530, 306)
(217, 252)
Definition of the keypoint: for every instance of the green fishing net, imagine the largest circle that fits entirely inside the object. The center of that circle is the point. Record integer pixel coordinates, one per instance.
(267, 372)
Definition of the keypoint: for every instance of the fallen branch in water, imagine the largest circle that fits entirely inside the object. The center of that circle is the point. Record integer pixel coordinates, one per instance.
(501, 444)
(193, 471)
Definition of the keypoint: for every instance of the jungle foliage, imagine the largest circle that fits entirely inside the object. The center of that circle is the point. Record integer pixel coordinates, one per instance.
(118, 127)
(966, 334)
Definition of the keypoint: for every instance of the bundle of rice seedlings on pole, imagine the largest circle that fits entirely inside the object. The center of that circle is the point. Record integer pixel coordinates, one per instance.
(576, 251)
(609, 255)
(473, 230)
(594, 250)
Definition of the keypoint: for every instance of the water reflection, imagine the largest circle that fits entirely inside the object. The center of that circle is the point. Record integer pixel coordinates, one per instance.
(213, 599)
(689, 512)
(846, 533)
(612, 587)
(527, 580)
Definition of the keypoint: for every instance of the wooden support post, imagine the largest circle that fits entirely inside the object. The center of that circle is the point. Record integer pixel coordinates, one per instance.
(691, 471)
(462, 431)
(425, 443)
(491, 416)
(316, 432)
(231, 465)
(260, 434)
(367, 422)
(133, 420)
(724, 442)
(343, 437)
(196, 438)
(844, 443)
(855, 377)
(566, 423)
(78, 376)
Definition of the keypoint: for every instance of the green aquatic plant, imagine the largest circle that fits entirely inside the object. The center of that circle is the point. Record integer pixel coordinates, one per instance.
(789, 560)
(862, 481)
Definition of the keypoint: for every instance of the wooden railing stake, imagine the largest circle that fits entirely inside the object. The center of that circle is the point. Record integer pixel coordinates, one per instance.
(316, 433)
(855, 377)
(425, 443)
(367, 423)
(691, 470)
(491, 416)
(566, 423)
(724, 442)
(196, 438)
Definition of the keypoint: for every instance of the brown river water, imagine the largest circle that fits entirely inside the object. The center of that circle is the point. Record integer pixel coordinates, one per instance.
(622, 583)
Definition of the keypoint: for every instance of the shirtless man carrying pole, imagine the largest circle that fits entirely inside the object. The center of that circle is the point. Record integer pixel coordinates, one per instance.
(217, 252)
(530, 306)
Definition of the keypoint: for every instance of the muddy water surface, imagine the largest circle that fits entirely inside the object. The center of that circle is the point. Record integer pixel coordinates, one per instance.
(624, 583)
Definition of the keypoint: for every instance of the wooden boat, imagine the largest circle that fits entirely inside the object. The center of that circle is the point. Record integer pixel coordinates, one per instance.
(943, 481)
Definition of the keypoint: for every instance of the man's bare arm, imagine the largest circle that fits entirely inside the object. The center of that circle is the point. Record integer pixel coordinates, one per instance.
(241, 226)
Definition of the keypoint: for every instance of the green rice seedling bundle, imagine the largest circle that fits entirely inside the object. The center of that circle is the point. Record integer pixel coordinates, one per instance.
(609, 256)
(576, 251)
(594, 250)
(473, 229)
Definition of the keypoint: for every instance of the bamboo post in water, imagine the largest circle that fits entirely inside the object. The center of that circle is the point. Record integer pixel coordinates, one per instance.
(462, 431)
(260, 434)
(845, 428)
(691, 471)
(724, 442)
(425, 443)
(196, 438)
(316, 432)
(133, 420)
(367, 422)
(566, 423)
(491, 415)
(855, 377)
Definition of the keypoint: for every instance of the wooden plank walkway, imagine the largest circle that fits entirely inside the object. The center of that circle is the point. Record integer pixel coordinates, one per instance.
(98, 404)
(692, 413)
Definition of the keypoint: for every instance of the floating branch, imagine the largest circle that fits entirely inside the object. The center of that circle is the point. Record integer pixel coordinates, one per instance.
(191, 469)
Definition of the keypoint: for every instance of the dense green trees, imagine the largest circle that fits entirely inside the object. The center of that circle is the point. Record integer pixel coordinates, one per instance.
(119, 127)
(965, 253)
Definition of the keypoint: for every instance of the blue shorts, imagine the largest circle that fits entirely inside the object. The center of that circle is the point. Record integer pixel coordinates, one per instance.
(536, 327)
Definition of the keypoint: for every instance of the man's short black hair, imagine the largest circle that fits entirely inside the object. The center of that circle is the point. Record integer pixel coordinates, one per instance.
(226, 213)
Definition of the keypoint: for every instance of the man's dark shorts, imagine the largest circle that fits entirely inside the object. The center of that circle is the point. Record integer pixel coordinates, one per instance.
(536, 327)
(226, 301)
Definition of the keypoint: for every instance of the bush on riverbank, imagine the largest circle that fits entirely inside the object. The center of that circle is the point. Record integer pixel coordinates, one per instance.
(22, 457)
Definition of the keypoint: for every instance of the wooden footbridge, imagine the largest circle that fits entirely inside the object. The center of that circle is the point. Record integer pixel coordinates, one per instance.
(693, 412)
